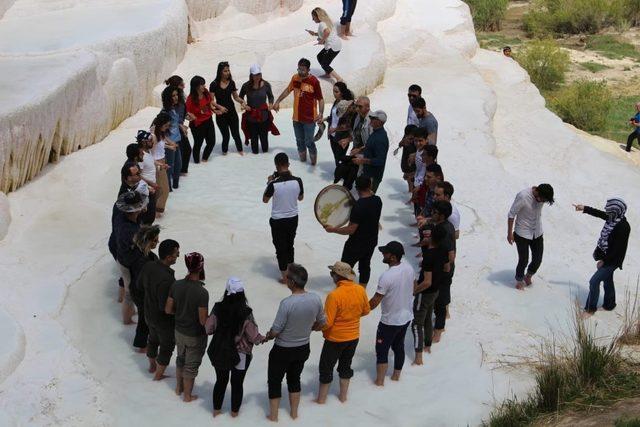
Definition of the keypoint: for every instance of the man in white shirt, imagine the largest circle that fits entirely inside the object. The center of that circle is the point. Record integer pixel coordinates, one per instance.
(286, 191)
(395, 292)
(526, 213)
(148, 170)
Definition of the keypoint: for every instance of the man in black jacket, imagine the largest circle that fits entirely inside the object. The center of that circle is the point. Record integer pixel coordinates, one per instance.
(609, 253)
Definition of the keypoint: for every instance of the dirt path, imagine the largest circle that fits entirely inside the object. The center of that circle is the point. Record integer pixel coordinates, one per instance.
(628, 408)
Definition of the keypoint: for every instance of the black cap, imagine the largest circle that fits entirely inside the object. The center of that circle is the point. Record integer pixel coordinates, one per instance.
(142, 135)
(393, 248)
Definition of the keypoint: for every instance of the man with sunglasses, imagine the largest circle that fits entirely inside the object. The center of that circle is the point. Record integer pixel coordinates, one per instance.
(308, 109)
(413, 93)
(526, 213)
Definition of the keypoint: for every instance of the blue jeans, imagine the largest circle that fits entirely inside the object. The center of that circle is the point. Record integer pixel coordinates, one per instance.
(174, 160)
(603, 274)
(304, 137)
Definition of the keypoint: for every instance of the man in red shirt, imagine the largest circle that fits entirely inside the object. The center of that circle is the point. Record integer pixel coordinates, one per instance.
(306, 93)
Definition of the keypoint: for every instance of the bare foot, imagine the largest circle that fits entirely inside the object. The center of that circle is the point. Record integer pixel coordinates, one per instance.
(160, 377)
(179, 390)
(218, 412)
(587, 314)
(234, 414)
(190, 398)
(142, 350)
(152, 366)
(272, 419)
(520, 285)
(294, 415)
(395, 377)
(342, 398)
(379, 383)
(242, 154)
(436, 335)
(205, 160)
(448, 316)
(318, 401)
(528, 280)
(427, 349)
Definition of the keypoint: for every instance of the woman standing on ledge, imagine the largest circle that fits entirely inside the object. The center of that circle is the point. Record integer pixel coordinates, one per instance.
(225, 92)
(327, 36)
(609, 253)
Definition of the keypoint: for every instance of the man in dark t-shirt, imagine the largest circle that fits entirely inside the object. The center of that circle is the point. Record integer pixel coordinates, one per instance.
(362, 230)
(189, 301)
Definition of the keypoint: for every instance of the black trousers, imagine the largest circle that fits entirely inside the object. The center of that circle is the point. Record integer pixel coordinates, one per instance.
(326, 57)
(185, 152)
(336, 352)
(161, 344)
(142, 330)
(203, 133)
(149, 216)
(357, 252)
(440, 305)
(338, 151)
(229, 123)
(391, 337)
(633, 135)
(237, 391)
(283, 234)
(523, 245)
(259, 132)
(289, 361)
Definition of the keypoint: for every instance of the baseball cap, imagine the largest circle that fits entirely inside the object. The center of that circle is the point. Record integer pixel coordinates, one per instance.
(255, 69)
(380, 115)
(393, 248)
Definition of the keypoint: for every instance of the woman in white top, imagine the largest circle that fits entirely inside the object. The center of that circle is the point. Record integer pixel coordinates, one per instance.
(160, 134)
(327, 36)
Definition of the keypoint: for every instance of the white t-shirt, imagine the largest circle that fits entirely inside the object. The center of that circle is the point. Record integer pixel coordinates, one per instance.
(332, 42)
(396, 284)
(527, 212)
(334, 117)
(158, 150)
(454, 219)
(148, 168)
(285, 190)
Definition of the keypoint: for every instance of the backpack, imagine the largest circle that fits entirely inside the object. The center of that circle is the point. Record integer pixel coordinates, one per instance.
(222, 351)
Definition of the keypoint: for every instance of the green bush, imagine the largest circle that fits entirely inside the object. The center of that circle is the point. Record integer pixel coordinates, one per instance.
(627, 422)
(545, 62)
(487, 14)
(548, 17)
(585, 104)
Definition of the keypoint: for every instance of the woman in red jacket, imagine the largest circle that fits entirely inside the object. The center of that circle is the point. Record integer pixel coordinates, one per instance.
(200, 108)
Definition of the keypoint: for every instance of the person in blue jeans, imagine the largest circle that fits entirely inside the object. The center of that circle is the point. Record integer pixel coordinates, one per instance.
(609, 253)
(170, 103)
(348, 7)
(635, 134)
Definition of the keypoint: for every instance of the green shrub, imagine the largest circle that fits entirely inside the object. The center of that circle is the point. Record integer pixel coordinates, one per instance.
(612, 47)
(547, 17)
(487, 14)
(545, 62)
(585, 104)
(627, 422)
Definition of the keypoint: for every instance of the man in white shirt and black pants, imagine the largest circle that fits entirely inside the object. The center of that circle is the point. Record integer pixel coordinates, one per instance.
(286, 191)
(526, 212)
(395, 292)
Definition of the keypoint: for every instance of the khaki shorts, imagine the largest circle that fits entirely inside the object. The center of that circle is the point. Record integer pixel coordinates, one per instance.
(190, 351)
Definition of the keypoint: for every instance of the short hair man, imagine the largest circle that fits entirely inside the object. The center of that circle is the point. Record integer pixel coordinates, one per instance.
(526, 214)
(395, 292)
(344, 307)
(156, 279)
(298, 315)
(362, 229)
(426, 120)
(413, 93)
(375, 150)
(308, 109)
(286, 191)
(188, 300)
(444, 191)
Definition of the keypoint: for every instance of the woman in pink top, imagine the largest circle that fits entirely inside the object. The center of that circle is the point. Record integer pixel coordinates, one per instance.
(234, 334)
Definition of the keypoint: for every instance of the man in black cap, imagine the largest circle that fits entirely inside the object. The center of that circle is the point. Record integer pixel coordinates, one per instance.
(362, 229)
(395, 292)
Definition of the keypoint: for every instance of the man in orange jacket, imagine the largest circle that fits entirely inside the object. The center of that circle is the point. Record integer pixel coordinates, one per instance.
(344, 307)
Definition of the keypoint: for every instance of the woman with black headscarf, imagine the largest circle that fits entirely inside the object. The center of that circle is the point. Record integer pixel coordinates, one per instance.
(609, 253)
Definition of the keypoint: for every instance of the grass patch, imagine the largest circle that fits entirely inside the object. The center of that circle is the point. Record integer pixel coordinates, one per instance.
(594, 67)
(630, 333)
(612, 47)
(575, 376)
(627, 422)
(584, 103)
(617, 126)
(493, 41)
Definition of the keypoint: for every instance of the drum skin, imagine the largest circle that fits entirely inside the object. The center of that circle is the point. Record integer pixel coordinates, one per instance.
(333, 206)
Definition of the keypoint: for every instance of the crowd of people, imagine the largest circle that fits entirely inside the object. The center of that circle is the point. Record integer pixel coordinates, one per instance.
(174, 316)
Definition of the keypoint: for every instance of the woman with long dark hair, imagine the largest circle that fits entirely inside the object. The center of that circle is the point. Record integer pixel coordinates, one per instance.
(258, 121)
(340, 93)
(234, 334)
(225, 92)
(200, 109)
(181, 108)
(170, 103)
(161, 143)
